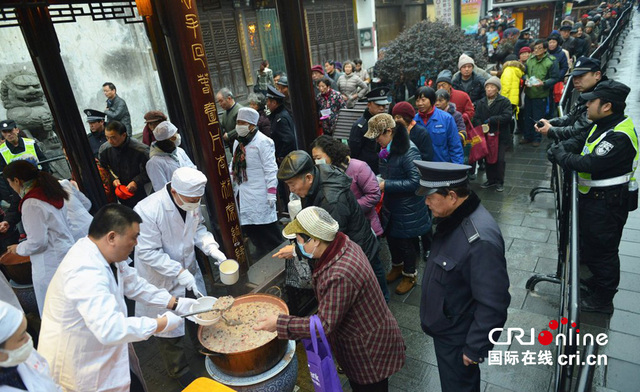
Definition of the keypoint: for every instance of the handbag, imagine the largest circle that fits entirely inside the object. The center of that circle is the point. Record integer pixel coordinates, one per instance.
(479, 147)
(492, 145)
(323, 371)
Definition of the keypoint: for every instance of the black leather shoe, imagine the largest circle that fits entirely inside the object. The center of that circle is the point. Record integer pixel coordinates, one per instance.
(593, 304)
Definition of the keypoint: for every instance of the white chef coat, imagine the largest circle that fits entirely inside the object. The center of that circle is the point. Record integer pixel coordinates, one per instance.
(85, 329)
(262, 171)
(161, 165)
(35, 375)
(48, 240)
(78, 206)
(166, 246)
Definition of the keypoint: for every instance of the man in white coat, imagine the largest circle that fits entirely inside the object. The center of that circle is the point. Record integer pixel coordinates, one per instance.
(86, 335)
(21, 367)
(165, 156)
(172, 225)
(254, 172)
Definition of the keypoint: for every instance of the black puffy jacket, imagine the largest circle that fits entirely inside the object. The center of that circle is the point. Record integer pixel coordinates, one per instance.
(476, 91)
(498, 116)
(409, 215)
(331, 190)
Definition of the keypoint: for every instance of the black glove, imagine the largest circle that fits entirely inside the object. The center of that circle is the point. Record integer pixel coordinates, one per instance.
(557, 153)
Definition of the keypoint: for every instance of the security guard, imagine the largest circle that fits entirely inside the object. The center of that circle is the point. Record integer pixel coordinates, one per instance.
(96, 138)
(361, 147)
(605, 159)
(283, 130)
(16, 146)
(465, 287)
(586, 75)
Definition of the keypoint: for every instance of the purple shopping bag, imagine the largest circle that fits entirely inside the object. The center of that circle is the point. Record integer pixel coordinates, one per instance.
(323, 372)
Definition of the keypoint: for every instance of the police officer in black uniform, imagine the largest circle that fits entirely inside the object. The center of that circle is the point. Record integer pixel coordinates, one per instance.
(362, 148)
(465, 287)
(96, 138)
(605, 159)
(586, 76)
(282, 128)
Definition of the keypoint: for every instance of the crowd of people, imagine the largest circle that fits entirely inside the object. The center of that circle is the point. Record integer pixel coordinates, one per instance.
(400, 180)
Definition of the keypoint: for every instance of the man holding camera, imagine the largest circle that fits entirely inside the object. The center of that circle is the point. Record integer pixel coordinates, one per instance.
(605, 158)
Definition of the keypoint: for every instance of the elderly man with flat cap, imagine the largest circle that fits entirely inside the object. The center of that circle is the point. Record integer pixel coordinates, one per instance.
(465, 286)
(586, 76)
(362, 148)
(605, 158)
(96, 138)
(172, 225)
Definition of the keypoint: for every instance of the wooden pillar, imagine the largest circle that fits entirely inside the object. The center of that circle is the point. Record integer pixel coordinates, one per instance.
(296, 57)
(180, 26)
(44, 48)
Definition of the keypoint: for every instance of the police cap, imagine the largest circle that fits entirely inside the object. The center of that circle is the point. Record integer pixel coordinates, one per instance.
(584, 65)
(608, 90)
(273, 93)
(436, 175)
(378, 96)
(295, 163)
(283, 81)
(7, 125)
(94, 115)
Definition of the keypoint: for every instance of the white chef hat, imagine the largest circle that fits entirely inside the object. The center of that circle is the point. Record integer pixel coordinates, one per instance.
(10, 320)
(249, 115)
(188, 182)
(165, 130)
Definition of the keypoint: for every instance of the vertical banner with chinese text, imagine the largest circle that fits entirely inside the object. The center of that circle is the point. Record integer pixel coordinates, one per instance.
(444, 11)
(469, 15)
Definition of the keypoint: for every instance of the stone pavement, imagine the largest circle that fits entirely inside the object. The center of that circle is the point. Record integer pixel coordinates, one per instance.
(529, 229)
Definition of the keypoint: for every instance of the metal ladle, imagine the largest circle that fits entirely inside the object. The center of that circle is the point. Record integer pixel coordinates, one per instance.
(225, 304)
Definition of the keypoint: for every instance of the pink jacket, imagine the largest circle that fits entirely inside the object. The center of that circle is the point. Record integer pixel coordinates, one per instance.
(364, 186)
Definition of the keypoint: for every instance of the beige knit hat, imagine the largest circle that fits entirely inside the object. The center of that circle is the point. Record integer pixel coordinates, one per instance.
(315, 222)
(464, 60)
(378, 124)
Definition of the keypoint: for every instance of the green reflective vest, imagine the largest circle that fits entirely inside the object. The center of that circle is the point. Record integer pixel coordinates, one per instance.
(584, 179)
(29, 151)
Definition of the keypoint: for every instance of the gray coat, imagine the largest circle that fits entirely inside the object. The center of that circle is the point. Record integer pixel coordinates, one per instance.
(351, 84)
(117, 110)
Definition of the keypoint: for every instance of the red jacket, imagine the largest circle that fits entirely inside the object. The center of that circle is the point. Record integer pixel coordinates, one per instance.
(364, 336)
(463, 102)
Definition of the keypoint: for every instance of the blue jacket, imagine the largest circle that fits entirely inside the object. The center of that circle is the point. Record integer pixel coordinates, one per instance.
(409, 216)
(442, 128)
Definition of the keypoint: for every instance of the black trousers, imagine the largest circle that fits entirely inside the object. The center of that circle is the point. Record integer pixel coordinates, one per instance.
(265, 237)
(495, 171)
(601, 223)
(380, 386)
(454, 375)
(404, 251)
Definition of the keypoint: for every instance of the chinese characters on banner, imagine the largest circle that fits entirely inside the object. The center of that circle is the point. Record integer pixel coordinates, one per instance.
(469, 15)
(201, 92)
(444, 11)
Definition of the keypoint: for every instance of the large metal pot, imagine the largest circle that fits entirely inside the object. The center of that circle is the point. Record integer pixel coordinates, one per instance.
(254, 361)
(18, 268)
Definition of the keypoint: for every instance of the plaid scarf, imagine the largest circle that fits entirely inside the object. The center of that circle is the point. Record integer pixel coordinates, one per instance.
(239, 166)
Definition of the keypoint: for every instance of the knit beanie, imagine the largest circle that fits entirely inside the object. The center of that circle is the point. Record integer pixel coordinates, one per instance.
(495, 81)
(404, 110)
(464, 60)
(444, 76)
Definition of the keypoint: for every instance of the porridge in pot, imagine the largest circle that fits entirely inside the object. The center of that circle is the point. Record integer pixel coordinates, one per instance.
(226, 339)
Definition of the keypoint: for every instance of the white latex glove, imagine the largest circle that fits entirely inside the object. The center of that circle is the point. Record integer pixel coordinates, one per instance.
(173, 321)
(218, 256)
(186, 279)
(271, 198)
(184, 305)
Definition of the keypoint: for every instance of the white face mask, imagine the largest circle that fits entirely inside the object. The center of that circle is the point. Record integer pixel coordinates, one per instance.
(243, 130)
(321, 161)
(189, 206)
(178, 140)
(19, 355)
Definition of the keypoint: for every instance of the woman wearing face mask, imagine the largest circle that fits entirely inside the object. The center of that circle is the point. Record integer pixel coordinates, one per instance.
(407, 215)
(364, 185)
(49, 236)
(21, 367)
(254, 174)
(165, 156)
(364, 336)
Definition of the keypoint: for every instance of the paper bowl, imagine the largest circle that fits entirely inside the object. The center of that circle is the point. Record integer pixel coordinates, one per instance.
(229, 272)
(204, 303)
